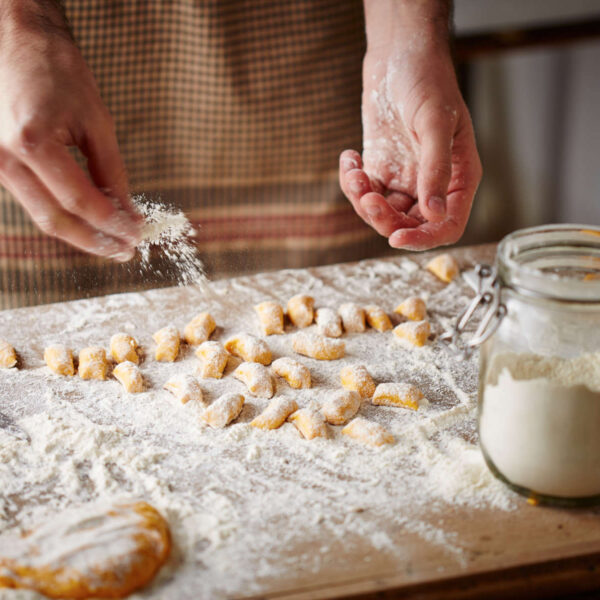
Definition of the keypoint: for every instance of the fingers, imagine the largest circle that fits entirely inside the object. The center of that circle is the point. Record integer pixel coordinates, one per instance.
(53, 220)
(67, 183)
(435, 131)
(382, 217)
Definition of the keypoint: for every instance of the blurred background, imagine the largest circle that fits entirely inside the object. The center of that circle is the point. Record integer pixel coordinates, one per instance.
(530, 72)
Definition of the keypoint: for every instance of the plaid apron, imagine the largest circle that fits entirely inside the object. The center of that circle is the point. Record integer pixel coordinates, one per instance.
(234, 111)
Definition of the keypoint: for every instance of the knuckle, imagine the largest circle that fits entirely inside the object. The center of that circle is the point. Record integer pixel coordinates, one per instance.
(48, 224)
(28, 137)
(73, 204)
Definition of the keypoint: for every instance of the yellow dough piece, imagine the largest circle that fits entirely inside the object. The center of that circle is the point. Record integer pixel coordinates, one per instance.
(167, 344)
(444, 267)
(185, 388)
(591, 277)
(353, 317)
(341, 406)
(358, 379)
(368, 432)
(8, 356)
(124, 347)
(223, 410)
(129, 376)
(213, 359)
(295, 373)
(101, 550)
(256, 377)
(275, 414)
(309, 423)
(377, 318)
(300, 310)
(413, 308)
(249, 348)
(414, 332)
(329, 322)
(403, 395)
(93, 363)
(318, 346)
(199, 329)
(59, 359)
(270, 315)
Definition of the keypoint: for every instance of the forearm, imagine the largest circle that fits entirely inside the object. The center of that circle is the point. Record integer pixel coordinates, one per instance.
(398, 23)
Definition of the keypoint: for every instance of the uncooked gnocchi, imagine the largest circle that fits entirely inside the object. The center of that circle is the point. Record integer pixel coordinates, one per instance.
(310, 423)
(358, 379)
(412, 308)
(318, 346)
(129, 376)
(295, 373)
(444, 267)
(124, 347)
(59, 359)
(249, 348)
(184, 387)
(213, 359)
(353, 317)
(377, 318)
(8, 356)
(341, 406)
(256, 377)
(199, 329)
(93, 363)
(275, 414)
(167, 344)
(368, 432)
(329, 322)
(223, 410)
(300, 310)
(270, 315)
(403, 395)
(413, 332)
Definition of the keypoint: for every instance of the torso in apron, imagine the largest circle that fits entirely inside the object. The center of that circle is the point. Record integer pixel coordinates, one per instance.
(235, 112)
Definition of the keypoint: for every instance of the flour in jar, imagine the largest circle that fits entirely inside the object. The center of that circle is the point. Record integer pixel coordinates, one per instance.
(540, 422)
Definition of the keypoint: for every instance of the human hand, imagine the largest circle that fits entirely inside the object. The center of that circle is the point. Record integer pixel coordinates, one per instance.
(49, 102)
(420, 169)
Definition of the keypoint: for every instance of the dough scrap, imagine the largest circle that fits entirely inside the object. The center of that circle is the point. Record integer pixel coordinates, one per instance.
(329, 322)
(168, 342)
(124, 347)
(185, 388)
(403, 395)
(249, 348)
(295, 373)
(129, 376)
(413, 308)
(358, 379)
(199, 329)
(341, 406)
(93, 363)
(59, 359)
(413, 332)
(300, 310)
(310, 423)
(377, 318)
(223, 410)
(256, 377)
(213, 359)
(270, 315)
(444, 267)
(8, 356)
(353, 317)
(318, 346)
(368, 432)
(275, 414)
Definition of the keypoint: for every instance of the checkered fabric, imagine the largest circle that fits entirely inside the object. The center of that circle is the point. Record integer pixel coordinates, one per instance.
(235, 111)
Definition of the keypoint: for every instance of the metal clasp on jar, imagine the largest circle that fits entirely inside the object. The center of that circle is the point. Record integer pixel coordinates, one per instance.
(487, 294)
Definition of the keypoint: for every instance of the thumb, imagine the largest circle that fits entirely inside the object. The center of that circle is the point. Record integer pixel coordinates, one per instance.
(435, 163)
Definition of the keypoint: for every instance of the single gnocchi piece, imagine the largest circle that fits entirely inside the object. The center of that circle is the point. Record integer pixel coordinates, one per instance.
(129, 376)
(377, 318)
(318, 346)
(295, 373)
(256, 377)
(213, 359)
(368, 432)
(403, 395)
(300, 310)
(310, 423)
(329, 322)
(223, 410)
(124, 347)
(413, 332)
(275, 414)
(444, 267)
(413, 308)
(341, 406)
(185, 388)
(270, 315)
(167, 344)
(249, 348)
(199, 329)
(8, 356)
(358, 379)
(353, 317)
(93, 363)
(59, 359)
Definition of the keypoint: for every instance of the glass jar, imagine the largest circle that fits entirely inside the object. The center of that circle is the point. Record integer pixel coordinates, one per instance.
(539, 382)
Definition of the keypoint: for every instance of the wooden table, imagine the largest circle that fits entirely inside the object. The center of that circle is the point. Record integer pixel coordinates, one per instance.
(258, 545)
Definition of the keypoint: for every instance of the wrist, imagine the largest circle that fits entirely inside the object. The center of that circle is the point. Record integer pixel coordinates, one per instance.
(33, 16)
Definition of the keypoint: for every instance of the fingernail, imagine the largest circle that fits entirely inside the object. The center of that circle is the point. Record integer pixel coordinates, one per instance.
(348, 164)
(124, 256)
(437, 205)
(373, 211)
(356, 186)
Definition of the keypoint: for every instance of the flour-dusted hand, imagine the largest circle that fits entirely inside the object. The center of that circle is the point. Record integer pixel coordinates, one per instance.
(419, 171)
(50, 102)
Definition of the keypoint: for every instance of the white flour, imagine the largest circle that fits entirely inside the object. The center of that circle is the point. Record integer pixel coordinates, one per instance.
(541, 420)
(250, 510)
